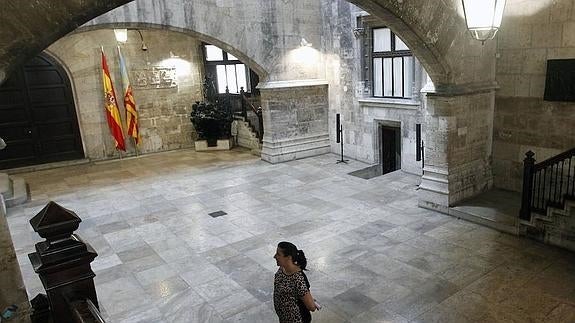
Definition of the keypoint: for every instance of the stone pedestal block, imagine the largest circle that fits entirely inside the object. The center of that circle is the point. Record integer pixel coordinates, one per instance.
(458, 145)
(223, 144)
(12, 289)
(295, 116)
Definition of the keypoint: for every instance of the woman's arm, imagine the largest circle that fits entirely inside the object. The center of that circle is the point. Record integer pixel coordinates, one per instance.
(308, 302)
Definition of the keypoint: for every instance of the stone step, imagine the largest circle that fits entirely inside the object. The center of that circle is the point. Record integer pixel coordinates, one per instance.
(19, 192)
(256, 151)
(490, 218)
(5, 185)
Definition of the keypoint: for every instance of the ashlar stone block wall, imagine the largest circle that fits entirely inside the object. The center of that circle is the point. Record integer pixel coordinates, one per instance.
(350, 93)
(532, 32)
(265, 34)
(295, 120)
(163, 113)
(12, 289)
(458, 147)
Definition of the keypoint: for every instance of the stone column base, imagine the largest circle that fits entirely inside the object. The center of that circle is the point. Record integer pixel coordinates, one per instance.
(434, 189)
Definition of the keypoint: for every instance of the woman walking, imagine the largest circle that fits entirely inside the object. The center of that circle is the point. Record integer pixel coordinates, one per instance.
(292, 298)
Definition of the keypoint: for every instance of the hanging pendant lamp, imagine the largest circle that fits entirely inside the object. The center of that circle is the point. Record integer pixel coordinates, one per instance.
(483, 17)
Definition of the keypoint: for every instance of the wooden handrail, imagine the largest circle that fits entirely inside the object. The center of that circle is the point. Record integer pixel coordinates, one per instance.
(555, 159)
(248, 102)
(547, 183)
(257, 112)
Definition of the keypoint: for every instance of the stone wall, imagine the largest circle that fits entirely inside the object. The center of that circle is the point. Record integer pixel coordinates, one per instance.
(406, 116)
(163, 113)
(458, 147)
(350, 94)
(532, 32)
(12, 289)
(295, 120)
(264, 34)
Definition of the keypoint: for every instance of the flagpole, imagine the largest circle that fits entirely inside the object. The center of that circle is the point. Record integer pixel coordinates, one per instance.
(119, 54)
(111, 107)
(135, 146)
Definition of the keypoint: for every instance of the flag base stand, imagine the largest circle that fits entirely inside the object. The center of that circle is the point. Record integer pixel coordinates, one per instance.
(341, 161)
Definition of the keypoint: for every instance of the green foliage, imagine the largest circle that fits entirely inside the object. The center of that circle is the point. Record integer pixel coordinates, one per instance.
(212, 118)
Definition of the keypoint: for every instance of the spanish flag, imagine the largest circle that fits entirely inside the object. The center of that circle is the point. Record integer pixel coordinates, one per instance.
(129, 102)
(111, 105)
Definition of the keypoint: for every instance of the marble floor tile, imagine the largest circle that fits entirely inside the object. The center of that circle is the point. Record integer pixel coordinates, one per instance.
(373, 254)
(351, 303)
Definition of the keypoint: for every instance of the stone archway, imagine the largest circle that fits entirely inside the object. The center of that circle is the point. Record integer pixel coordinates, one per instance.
(433, 30)
(463, 71)
(458, 139)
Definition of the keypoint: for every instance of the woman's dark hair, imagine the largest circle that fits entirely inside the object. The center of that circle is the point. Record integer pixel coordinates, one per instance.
(298, 257)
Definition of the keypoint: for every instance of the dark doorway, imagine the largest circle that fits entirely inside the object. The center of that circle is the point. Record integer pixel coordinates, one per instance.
(390, 152)
(37, 116)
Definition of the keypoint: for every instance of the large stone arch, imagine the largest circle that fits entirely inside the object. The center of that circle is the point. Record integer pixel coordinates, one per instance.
(28, 27)
(433, 29)
(254, 65)
(462, 70)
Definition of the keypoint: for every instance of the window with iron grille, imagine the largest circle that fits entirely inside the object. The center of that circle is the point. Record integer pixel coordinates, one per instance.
(392, 65)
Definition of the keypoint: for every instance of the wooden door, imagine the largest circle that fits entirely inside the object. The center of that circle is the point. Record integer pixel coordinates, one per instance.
(38, 116)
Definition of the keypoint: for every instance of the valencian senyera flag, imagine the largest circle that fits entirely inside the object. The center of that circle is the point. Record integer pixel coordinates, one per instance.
(112, 111)
(129, 102)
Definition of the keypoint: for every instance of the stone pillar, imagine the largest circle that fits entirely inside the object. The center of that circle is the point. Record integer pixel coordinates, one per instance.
(295, 115)
(458, 144)
(12, 289)
(62, 261)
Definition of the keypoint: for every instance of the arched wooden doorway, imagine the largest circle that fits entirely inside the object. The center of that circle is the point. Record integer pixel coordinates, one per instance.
(38, 116)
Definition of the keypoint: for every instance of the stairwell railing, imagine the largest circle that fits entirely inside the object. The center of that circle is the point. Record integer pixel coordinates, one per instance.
(547, 184)
(257, 111)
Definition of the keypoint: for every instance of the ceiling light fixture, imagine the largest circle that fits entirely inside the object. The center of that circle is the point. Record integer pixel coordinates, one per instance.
(483, 17)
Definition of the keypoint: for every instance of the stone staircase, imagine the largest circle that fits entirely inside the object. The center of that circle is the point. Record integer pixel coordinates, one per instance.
(247, 136)
(557, 227)
(497, 209)
(13, 191)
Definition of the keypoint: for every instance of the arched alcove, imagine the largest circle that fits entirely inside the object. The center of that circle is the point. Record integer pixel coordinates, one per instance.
(257, 67)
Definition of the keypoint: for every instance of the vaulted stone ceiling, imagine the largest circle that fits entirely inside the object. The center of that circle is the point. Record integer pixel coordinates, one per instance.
(431, 28)
(30, 26)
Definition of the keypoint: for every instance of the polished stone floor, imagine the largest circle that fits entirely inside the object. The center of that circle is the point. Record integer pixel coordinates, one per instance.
(374, 256)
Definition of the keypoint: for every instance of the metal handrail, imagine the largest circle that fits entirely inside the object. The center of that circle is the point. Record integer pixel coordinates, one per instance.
(547, 183)
(555, 159)
(249, 103)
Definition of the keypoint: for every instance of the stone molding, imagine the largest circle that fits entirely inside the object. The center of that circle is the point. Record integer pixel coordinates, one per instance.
(450, 90)
(378, 103)
(279, 85)
(295, 148)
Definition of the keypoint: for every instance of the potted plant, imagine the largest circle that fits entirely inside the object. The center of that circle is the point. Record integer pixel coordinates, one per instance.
(212, 118)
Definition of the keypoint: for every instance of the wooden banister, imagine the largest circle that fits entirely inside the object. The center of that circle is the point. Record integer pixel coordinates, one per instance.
(547, 183)
(256, 111)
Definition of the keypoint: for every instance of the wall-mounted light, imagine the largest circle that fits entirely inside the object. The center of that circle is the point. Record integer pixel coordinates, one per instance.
(359, 32)
(121, 35)
(483, 17)
(144, 47)
(304, 43)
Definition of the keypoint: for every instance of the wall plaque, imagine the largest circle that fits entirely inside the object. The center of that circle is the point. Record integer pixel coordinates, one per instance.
(155, 77)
